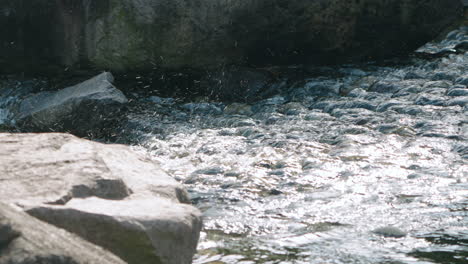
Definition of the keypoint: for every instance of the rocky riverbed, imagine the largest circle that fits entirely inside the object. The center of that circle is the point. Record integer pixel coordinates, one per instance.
(356, 164)
(351, 164)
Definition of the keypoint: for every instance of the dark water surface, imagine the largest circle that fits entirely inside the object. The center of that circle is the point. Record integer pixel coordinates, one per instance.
(361, 164)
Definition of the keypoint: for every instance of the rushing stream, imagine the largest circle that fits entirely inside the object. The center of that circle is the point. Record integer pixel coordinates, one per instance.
(356, 164)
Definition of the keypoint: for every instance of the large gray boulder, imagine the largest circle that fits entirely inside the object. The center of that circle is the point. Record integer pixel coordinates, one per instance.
(26, 240)
(203, 34)
(86, 109)
(107, 194)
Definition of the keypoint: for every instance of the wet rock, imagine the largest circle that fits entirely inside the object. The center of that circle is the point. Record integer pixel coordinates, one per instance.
(462, 80)
(407, 91)
(202, 108)
(429, 100)
(292, 108)
(238, 109)
(24, 239)
(248, 132)
(386, 87)
(364, 120)
(390, 231)
(413, 176)
(323, 88)
(210, 171)
(277, 172)
(407, 109)
(351, 114)
(437, 84)
(107, 194)
(395, 86)
(462, 150)
(458, 92)
(226, 132)
(356, 104)
(242, 123)
(269, 105)
(460, 101)
(357, 93)
(353, 72)
(144, 34)
(444, 75)
(273, 119)
(318, 117)
(365, 83)
(355, 130)
(86, 109)
(274, 192)
(207, 149)
(231, 185)
(396, 129)
(413, 75)
(436, 91)
(388, 128)
(386, 105)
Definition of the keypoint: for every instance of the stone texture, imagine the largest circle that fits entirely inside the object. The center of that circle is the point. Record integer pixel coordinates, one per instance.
(134, 229)
(86, 109)
(107, 194)
(26, 240)
(203, 34)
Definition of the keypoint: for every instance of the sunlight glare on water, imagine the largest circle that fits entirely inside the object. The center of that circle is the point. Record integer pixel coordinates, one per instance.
(373, 176)
(364, 164)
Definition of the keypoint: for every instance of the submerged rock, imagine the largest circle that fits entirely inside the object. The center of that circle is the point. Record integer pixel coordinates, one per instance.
(144, 34)
(86, 109)
(107, 194)
(24, 239)
(389, 231)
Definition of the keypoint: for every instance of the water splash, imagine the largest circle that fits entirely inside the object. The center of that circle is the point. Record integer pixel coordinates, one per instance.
(308, 175)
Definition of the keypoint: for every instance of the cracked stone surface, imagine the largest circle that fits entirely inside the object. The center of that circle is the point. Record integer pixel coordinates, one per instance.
(100, 192)
(24, 239)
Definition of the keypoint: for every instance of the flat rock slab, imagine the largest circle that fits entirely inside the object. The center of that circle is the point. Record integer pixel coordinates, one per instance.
(134, 229)
(80, 185)
(26, 240)
(54, 168)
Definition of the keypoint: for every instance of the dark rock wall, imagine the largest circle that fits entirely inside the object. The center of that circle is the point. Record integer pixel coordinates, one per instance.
(203, 34)
(26, 35)
(44, 36)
